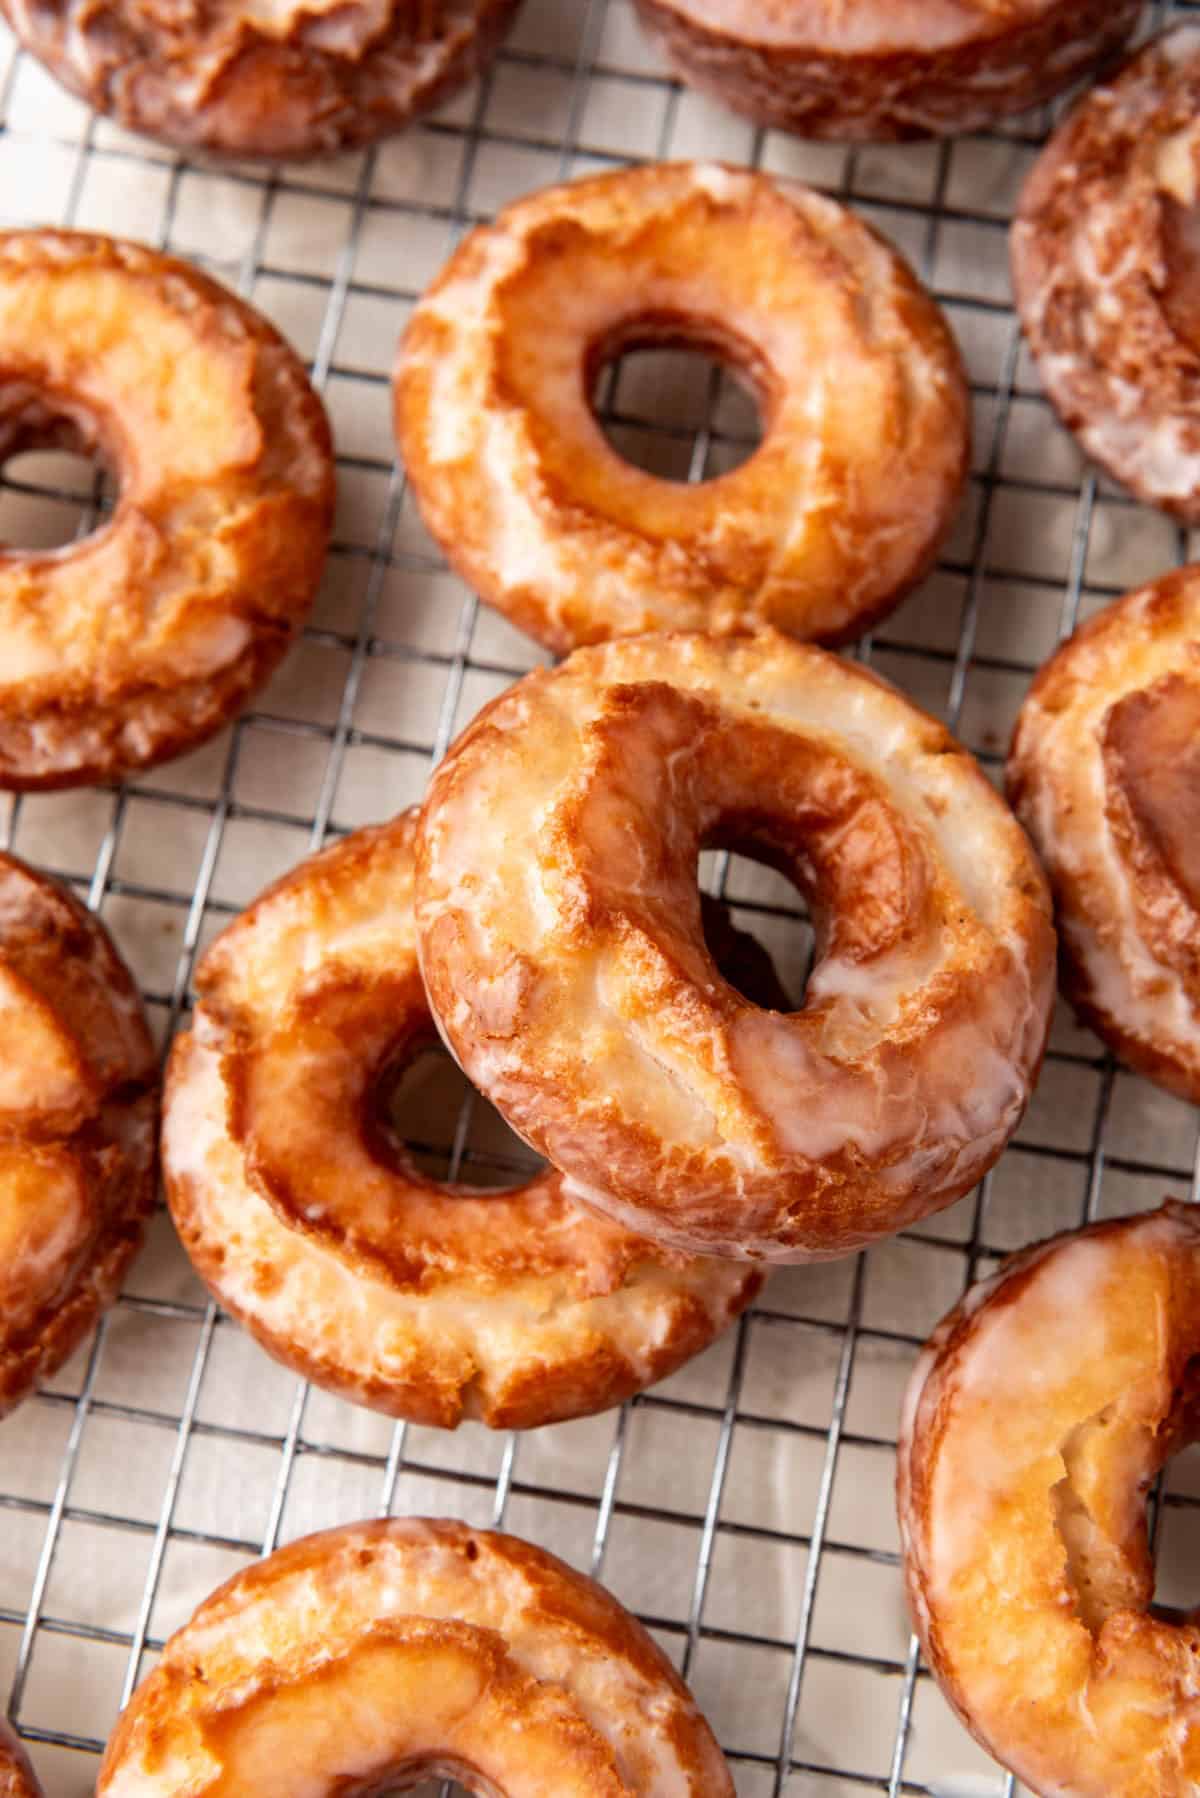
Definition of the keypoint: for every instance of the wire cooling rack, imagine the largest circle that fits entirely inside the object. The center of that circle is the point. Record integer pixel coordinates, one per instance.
(744, 1508)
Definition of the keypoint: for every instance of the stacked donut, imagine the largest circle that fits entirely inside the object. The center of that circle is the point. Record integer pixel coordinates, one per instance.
(543, 908)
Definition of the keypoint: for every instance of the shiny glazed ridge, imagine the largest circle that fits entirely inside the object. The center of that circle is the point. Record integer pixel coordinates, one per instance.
(426, 1301)
(78, 1113)
(1038, 1417)
(559, 933)
(886, 69)
(141, 640)
(368, 1658)
(837, 514)
(1106, 271)
(1104, 772)
(275, 78)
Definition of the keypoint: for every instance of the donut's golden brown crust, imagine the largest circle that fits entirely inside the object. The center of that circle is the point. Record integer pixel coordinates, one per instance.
(369, 1657)
(1104, 256)
(77, 1125)
(1104, 772)
(838, 513)
(310, 1222)
(1036, 1421)
(17, 1778)
(141, 640)
(277, 78)
(880, 69)
(559, 931)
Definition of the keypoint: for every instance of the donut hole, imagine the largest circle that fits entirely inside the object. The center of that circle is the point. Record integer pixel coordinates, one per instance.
(677, 403)
(58, 481)
(764, 947)
(428, 1116)
(446, 1779)
(1111, 1572)
(1177, 1563)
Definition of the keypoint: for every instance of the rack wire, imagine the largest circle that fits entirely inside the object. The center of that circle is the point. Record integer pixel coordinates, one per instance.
(744, 1507)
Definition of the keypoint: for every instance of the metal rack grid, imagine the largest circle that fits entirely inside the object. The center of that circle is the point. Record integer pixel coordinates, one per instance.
(743, 1508)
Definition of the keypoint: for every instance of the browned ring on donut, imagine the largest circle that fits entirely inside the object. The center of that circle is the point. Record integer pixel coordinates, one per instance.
(1037, 1419)
(879, 69)
(558, 922)
(369, 1658)
(141, 640)
(866, 419)
(78, 1114)
(312, 1224)
(296, 79)
(1106, 269)
(1104, 772)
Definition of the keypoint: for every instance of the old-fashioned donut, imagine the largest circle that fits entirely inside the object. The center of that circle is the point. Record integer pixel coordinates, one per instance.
(1106, 268)
(1036, 1421)
(311, 1223)
(17, 1778)
(837, 514)
(293, 79)
(886, 68)
(559, 932)
(372, 1657)
(141, 640)
(1105, 774)
(78, 1112)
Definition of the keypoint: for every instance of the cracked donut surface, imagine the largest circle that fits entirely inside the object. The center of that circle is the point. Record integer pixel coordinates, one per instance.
(17, 1778)
(1104, 772)
(1037, 1419)
(310, 1221)
(372, 1657)
(139, 641)
(880, 69)
(78, 1115)
(276, 78)
(559, 930)
(1106, 272)
(836, 515)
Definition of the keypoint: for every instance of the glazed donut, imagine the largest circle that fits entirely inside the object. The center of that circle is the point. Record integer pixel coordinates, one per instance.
(78, 1105)
(310, 1223)
(296, 78)
(886, 68)
(141, 640)
(371, 1657)
(865, 410)
(17, 1778)
(1104, 772)
(1104, 257)
(1036, 1421)
(560, 940)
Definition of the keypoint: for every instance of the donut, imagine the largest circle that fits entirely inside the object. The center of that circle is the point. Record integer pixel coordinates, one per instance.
(1036, 1421)
(371, 1657)
(1104, 260)
(839, 512)
(141, 640)
(17, 1778)
(560, 941)
(1104, 772)
(885, 69)
(78, 1105)
(300, 79)
(309, 1221)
